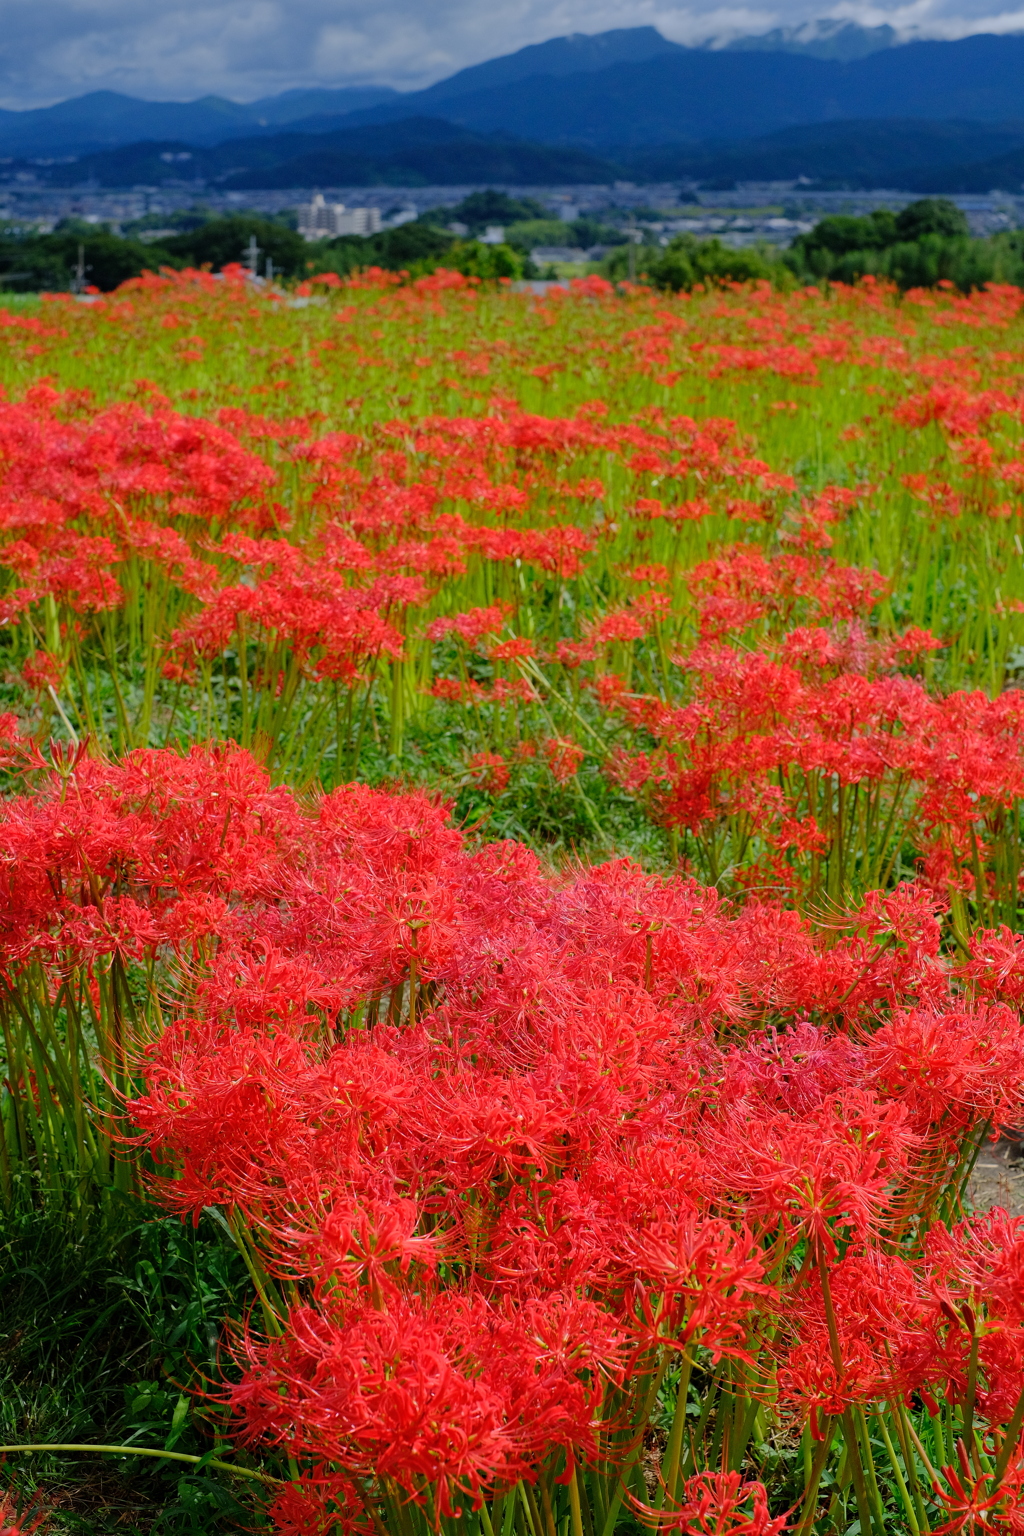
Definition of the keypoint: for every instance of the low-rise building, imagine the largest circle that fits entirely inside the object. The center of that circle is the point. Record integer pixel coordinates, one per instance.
(319, 220)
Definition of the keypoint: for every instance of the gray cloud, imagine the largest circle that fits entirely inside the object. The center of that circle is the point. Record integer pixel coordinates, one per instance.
(243, 49)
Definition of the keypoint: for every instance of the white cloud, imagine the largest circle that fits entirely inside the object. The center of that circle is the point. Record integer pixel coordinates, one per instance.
(181, 49)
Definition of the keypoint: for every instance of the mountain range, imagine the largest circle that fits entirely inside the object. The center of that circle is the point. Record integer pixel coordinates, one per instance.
(415, 151)
(832, 102)
(691, 94)
(106, 120)
(912, 155)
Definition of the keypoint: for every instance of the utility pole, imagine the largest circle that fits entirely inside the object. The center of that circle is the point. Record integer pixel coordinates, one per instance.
(78, 281)
(252, 255)
(632, 246)
(269, 269)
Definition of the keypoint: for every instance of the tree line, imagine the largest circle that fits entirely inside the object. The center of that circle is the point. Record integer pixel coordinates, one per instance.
(925, 243)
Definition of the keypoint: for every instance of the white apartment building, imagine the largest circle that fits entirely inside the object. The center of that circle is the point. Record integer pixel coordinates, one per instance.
(319, 219)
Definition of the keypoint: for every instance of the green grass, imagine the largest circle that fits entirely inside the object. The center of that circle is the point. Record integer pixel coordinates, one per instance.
(104, 1339)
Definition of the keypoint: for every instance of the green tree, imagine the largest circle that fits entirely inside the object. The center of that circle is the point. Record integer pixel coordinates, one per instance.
(686, 261)
(841, 234)
(415, 248)
(586, 231)
(393, 249)
(50, 262)
(479, 209)
(488, 262)
(219, 242)
(927, 242)
(930, 216)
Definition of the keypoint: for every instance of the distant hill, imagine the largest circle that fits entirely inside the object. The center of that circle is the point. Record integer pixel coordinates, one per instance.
(105, 119)
(1003, 172)
(912, 155)
(690, 94)
(316, 101)
(416, 152)
(625, 87)
(909, 154)
(108, 120)
(828, 101)
(561, 57)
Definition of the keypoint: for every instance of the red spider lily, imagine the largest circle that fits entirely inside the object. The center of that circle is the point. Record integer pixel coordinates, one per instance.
(979, 1502)
(996, 964)
(542, 1133)
(564, 758)
(718, 1504)
(706, 1278)
(319, 1505)
(16, 1520)
(940, 1066)
(42, 671)
(973, 1280)
(751, 748)
(865, 1339)
(491, 769)
(472, 625)
(821, 1176)
(459, 1396)
(517, 649)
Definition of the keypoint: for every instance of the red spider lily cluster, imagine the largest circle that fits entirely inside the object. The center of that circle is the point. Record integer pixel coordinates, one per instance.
(511, 1152)
(286, 553)
(570, 1198)
(149, 535)
(811, 764)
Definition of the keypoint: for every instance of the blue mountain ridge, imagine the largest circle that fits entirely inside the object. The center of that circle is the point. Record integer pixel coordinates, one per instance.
(691, 94)
(412, 152)
(106, 119)
(628, 87)
(622, 104)
(927, 156)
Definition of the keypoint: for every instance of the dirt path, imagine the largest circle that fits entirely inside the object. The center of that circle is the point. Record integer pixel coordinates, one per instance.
(994, 1183)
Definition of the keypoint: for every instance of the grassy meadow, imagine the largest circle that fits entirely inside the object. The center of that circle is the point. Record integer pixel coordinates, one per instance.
(511, 926)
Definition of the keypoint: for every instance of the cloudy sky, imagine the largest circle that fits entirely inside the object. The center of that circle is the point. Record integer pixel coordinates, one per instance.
(243, 49)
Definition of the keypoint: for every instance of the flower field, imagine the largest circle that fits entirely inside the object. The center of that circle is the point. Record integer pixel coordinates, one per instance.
(512, 829)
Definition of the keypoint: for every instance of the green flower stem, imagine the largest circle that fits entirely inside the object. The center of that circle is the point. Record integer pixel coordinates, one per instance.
(139, 1450)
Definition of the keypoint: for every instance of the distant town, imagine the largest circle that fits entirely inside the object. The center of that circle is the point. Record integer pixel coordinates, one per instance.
(751, 214)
